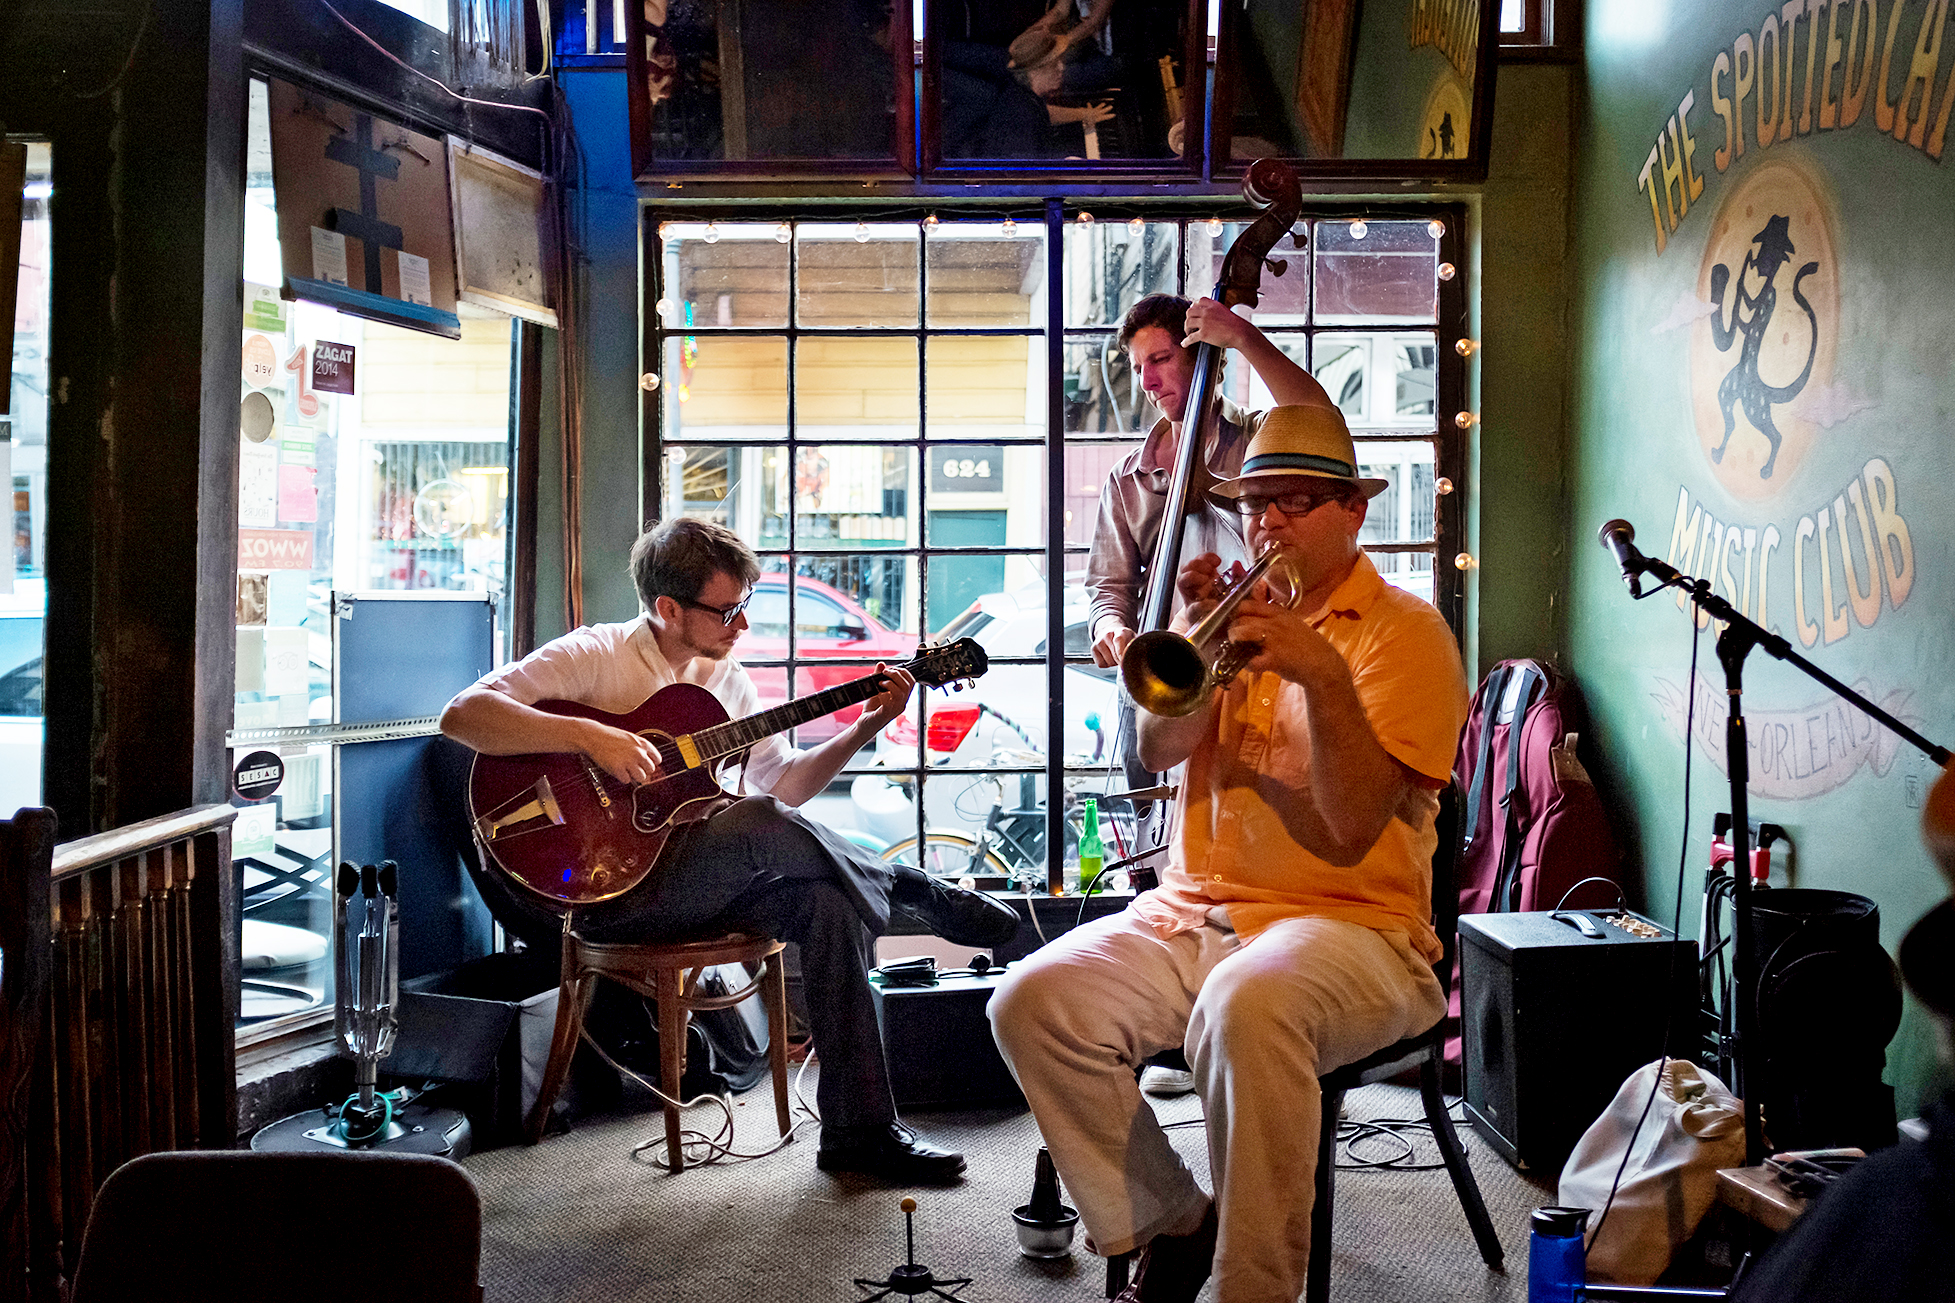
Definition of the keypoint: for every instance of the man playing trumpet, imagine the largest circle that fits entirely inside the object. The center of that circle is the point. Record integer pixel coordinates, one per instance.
(1292, 931)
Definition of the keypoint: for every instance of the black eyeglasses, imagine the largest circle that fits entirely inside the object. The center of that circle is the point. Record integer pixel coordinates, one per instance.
(727, 614)
(1290, 504)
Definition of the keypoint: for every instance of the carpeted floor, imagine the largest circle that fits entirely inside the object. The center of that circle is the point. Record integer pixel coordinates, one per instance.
(577, 1219)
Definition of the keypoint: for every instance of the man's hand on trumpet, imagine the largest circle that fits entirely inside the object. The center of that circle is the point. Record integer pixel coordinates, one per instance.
(1201, 585)
(1287, 644)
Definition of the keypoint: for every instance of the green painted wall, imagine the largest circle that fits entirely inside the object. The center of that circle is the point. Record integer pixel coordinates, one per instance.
(1843, 547)
(1518, 530)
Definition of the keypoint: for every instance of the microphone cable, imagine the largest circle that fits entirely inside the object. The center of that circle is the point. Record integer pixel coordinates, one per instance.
(1676, 934)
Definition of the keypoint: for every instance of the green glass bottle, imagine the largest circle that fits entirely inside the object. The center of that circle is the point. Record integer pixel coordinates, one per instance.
(1091, 853)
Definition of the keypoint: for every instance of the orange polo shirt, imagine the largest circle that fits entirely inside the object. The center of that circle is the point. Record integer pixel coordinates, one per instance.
(1247, 834)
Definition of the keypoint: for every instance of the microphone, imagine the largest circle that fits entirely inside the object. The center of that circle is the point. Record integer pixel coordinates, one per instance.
(1619, 536)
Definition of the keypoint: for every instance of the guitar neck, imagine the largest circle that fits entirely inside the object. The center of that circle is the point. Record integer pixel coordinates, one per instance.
(739, 734)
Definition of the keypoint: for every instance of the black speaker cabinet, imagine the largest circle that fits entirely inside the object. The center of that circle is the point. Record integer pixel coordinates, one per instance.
(1553, 1021)
(939, 1045)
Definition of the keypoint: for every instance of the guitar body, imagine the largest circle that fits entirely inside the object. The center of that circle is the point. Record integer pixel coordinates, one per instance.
(567, 830)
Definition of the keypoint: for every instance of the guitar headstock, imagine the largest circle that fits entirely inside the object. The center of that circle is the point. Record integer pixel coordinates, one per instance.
(937, 666)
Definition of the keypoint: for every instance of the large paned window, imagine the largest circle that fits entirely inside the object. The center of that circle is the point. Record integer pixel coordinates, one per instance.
(24, 473)
(911, 422)
(399, 486)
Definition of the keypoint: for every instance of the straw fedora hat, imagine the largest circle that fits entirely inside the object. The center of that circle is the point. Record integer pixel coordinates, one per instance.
(1302, 440)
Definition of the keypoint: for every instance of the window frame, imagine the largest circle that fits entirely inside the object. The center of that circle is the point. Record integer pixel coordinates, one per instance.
(1449, 438)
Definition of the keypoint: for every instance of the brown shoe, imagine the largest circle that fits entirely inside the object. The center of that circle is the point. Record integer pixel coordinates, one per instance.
(1173, 1268)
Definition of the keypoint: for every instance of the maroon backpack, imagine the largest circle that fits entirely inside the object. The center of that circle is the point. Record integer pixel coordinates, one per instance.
(1531, 825)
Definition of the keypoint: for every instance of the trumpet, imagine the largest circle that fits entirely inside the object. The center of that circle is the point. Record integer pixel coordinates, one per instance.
(1170, 674)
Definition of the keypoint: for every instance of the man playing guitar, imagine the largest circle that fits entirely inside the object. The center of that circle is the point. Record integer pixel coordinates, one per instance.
(755, 865)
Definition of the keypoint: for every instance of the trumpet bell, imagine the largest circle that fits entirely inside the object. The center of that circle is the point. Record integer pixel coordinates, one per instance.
(1165, 674)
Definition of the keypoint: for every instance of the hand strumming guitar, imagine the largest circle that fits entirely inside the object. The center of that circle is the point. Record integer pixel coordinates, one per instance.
(627, 757)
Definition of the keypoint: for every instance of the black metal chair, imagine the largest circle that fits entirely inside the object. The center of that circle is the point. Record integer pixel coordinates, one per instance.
(1425, 1052)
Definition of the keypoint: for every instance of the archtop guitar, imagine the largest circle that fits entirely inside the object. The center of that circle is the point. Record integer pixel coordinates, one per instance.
(568, 831)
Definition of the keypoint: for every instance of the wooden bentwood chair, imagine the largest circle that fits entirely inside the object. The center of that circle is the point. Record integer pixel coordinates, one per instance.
(669, 973)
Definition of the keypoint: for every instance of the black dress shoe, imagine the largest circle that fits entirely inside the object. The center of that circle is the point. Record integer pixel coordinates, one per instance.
(1173, 1268)
(968, 918)
(894, 1153)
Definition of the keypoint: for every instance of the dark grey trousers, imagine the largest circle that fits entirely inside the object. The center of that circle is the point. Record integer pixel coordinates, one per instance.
(758, 866)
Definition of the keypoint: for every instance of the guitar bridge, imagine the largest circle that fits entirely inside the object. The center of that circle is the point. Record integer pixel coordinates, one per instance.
(535, 806)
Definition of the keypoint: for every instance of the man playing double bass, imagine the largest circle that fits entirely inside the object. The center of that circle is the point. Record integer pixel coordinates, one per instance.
(755, 866)
(1160, 335)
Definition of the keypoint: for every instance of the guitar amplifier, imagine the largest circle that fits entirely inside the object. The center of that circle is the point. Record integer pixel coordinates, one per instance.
(1554, 1020)
(939, 1046)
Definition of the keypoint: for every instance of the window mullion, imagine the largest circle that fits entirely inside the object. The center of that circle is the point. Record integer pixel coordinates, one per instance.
(1055, 550)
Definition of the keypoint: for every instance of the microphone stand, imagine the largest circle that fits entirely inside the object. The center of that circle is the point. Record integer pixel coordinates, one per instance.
(1734, 644)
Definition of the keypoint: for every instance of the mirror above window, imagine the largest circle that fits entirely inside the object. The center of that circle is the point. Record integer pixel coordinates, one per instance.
(1005, 90)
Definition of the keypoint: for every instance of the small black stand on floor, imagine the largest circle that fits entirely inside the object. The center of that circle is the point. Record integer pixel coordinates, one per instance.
(911, 1279)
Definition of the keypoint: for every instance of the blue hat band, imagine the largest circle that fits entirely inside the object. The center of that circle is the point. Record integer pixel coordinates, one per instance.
(1298, 461)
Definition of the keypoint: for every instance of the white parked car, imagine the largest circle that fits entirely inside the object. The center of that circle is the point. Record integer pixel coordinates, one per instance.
(1001, 722)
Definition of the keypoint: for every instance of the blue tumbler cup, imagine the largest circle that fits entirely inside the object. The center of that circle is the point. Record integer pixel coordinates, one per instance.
(1556, 1257)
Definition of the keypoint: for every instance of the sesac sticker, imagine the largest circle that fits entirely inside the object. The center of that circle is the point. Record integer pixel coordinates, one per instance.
(258, 775)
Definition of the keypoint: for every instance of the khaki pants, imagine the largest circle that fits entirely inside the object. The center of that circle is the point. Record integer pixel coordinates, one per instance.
(1259, 1023)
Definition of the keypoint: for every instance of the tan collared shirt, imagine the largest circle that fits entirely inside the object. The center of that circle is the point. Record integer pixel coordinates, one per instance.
(1247, 833)
(1132, 503)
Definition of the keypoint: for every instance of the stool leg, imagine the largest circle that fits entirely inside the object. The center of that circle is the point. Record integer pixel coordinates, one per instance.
(572, 997)
(776, 997)
(672, 1019)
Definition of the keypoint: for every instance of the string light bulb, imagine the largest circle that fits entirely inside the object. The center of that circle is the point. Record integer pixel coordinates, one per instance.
(1359, 229)
(649, 382)
(712, 233)
(930, 222)
(1442, 486)
(1011, 228)
(1466, 347)
(1214, 226)
(1446, 270)
(663, 307)
(1085, 218)
(862, 233)
(1436, 229)
(1136, 226)
(783, 233)
(1466, 420)
(1466, 561)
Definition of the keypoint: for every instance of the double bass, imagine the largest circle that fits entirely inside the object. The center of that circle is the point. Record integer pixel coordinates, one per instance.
(1273, 186)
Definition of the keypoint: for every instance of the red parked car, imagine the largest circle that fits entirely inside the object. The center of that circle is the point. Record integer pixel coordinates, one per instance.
(830, 624)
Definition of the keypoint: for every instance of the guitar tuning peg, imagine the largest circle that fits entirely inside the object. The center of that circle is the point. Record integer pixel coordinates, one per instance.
(1277, 266)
